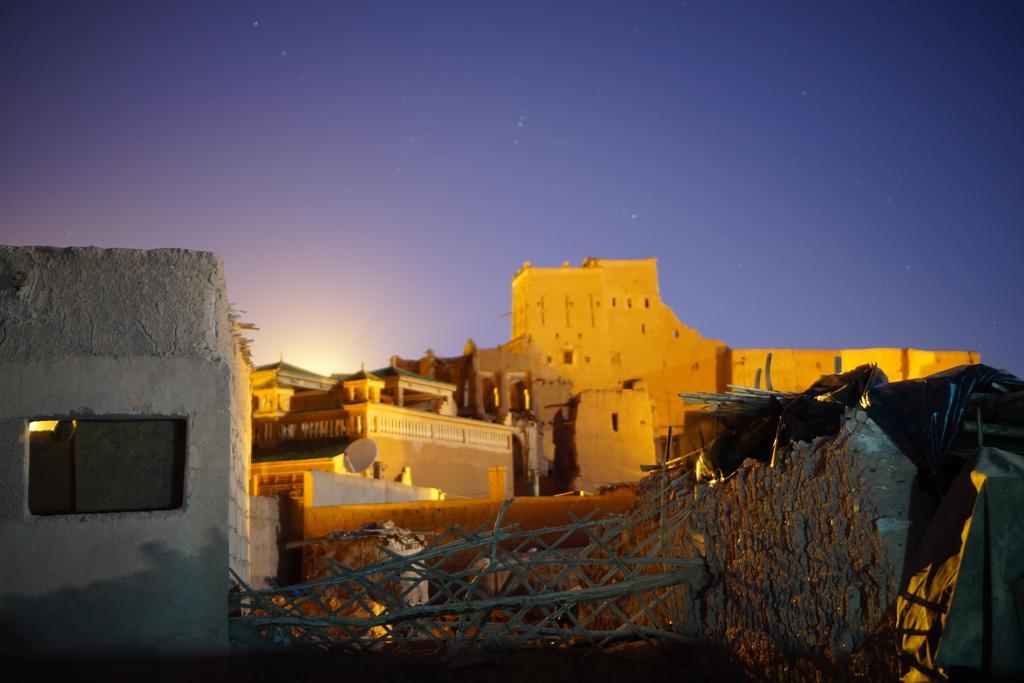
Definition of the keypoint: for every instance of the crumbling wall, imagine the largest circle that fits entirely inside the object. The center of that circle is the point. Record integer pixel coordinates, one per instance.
(614, 436)
(265, 541)
(240, 452)
(805, 558)
(117, 333)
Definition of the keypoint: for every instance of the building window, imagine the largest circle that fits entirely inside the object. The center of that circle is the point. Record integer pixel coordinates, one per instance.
(84, 466)
(568, 356)
(643, 328)
(629, 302)
(675, 334)
(613, 302)
(647, 303)
(615, 422)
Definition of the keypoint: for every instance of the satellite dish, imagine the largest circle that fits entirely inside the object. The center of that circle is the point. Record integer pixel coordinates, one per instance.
(359, 455)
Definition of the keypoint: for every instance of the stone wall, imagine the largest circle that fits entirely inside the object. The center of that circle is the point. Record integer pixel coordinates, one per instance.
(118, 334)
(805, 558)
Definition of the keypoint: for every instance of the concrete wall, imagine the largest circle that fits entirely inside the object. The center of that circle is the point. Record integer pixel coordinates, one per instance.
(240, 472)
(118, 333)
(805, 558)
(265, 540)
(331, 488)
(458, 471)
(448, 453)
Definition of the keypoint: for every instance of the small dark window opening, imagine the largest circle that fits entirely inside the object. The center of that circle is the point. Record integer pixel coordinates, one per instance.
(568, 356)
(629, 303)
(613, 301)
(643, 328)
(615, 422)
(675, 334)
(647, 303)
(85, 466)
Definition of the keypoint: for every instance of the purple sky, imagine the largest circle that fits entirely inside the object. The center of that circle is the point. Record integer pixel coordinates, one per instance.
(374, 173)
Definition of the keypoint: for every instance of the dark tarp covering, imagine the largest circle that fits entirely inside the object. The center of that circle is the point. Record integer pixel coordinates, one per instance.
(962, 611)
(924, 416)
(758, 432)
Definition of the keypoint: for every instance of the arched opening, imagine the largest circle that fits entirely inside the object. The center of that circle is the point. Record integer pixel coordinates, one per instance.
(492, 399)
(520, 470)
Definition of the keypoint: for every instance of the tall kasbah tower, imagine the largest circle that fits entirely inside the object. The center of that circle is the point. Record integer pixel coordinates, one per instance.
(603, 324)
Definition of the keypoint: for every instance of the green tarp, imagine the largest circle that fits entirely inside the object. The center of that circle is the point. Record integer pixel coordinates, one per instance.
(961, 615)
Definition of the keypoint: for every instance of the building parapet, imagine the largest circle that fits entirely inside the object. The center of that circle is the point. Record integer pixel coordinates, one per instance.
(377, 419)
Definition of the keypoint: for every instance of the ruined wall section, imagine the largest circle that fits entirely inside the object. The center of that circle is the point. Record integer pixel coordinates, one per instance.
(614, 437)
(265, 541)
(805, 558)
(240, 453)
(118, 333)
(604, 323)
(549, 393)
(796, 369)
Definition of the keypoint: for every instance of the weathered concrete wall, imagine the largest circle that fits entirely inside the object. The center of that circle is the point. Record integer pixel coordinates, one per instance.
(455, 469)
(119, 333)
(265, 540)
(240, 473)
(805, 559)
(322, 489)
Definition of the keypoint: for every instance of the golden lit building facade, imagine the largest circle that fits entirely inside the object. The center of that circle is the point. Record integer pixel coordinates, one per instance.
(302, 421)
(591, 377)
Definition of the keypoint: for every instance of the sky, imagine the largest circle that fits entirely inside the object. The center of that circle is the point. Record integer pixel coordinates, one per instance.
(808, 174)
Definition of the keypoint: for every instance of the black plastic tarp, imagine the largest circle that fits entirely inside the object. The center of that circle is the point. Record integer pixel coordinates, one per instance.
(924, 416)
(757, 432)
